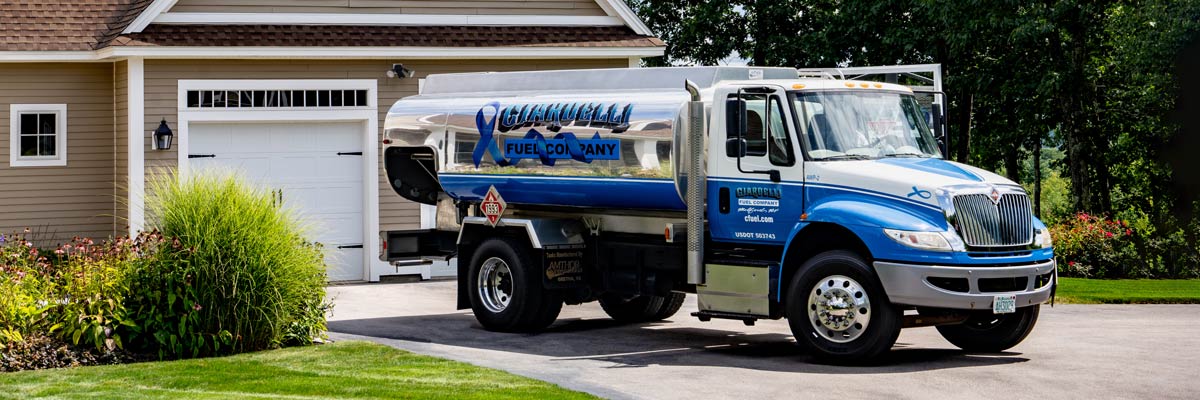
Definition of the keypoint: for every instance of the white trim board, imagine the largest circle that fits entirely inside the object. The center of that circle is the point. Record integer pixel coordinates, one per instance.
(360, 53)
(148, 15)
(383, 52)
(136, 114)
(368, 116)
(619, 9)
(199, 18)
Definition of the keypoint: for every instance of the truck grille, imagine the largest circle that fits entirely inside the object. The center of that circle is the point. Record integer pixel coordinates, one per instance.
(983, 223)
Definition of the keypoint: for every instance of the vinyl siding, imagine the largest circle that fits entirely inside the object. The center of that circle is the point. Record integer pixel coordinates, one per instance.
(58, 203)
(472, 7)
(395, 213)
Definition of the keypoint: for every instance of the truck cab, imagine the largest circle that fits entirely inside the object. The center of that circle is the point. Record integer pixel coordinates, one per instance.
(767, 192)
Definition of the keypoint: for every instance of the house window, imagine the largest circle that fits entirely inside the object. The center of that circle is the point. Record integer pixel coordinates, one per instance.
(225, 99)
(38, 135)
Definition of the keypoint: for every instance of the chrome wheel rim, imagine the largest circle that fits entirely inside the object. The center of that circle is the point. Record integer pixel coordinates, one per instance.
(839, 309)
(495, 285)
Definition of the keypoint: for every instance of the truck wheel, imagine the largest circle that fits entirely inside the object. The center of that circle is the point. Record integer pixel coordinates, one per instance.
(641, 308)
(837, 309)
(506, 289)
(992, 333)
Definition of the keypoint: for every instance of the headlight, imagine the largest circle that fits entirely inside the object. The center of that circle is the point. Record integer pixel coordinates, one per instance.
(920, 240)
(1042, 238)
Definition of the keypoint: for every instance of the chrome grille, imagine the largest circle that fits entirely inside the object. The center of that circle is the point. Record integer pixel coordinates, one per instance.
(983, 223)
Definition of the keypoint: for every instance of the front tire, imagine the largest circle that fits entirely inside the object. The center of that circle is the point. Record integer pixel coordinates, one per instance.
(838, 310)
(641, 308)
(506, 289)
(992, 333)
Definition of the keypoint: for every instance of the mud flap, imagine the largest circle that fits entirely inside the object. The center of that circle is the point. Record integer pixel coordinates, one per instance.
(1054, 287)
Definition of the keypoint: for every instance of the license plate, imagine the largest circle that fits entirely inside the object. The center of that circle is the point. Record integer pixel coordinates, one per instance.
(1006, 304)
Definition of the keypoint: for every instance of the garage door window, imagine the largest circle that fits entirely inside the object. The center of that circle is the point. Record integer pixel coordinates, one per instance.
(37, 135)
(325, 98)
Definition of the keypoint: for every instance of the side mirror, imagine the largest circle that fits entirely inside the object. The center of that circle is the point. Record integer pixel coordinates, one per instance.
(735, 118)
(939, 129)
(735, 147)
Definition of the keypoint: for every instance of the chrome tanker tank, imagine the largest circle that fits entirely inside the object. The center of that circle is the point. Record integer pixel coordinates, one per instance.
(579, 138)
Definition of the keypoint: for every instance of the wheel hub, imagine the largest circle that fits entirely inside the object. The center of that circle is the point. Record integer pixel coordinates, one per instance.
(495, 284)
(839, 309)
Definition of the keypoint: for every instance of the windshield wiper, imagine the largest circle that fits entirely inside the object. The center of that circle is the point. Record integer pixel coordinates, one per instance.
(898, 155)
(845, 157)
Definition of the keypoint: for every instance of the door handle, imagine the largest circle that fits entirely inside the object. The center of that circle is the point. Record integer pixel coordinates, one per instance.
(351, 246)
(723, 200)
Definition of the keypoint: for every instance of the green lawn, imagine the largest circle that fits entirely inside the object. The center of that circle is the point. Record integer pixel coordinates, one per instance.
(1139, 291)
(349, 370)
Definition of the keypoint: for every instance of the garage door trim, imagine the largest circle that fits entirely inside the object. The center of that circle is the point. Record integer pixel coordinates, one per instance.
(367, 115)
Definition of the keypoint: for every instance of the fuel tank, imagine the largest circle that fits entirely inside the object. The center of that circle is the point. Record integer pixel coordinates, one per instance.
(579, 138)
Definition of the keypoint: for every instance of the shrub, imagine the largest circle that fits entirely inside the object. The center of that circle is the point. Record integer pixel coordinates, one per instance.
(1090, 246)
(24, 291)
(90, 290)
(243, 279)
(1128, 247)
(73, 293)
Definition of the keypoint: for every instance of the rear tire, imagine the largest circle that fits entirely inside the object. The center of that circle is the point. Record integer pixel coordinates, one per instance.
(839, 311)
(506, 289)
(992, 333)
(641, 308)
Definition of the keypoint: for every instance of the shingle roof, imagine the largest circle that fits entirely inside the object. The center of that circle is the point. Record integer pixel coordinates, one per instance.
(386, 36)
(64, 25)
(82, 25)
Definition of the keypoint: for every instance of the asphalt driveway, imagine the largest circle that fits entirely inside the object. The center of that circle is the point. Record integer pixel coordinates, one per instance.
(1076, 352)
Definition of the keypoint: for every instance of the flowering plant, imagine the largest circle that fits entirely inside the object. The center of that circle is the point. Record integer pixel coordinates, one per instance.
(1093, 246)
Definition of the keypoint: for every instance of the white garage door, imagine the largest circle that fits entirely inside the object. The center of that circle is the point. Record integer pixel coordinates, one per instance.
(315, 167)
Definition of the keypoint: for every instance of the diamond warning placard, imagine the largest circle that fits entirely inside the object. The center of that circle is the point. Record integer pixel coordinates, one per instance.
(493, 206)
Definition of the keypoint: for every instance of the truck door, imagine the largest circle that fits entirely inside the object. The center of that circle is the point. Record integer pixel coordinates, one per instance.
(758, 201)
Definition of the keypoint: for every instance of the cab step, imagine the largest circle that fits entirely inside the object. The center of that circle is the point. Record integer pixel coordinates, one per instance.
(706, 316)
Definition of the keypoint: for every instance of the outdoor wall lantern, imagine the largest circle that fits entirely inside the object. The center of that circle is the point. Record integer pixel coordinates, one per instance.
(163, 136)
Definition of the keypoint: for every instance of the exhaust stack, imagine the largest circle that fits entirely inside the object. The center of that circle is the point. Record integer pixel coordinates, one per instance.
(695, 185)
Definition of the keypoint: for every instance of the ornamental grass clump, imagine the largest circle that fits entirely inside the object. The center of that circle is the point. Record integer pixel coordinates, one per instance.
(245, 278)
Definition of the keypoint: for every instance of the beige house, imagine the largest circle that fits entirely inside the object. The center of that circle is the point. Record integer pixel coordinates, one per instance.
(291, 91)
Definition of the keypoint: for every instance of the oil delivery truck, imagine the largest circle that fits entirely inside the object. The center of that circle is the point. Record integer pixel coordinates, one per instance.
(766, 192)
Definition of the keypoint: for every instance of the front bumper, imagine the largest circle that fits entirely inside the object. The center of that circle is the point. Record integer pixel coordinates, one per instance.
(909, 284)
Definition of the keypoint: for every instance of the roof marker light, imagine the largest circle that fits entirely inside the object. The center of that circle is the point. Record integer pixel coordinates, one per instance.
(798, 86)
(850, 84)
(863, 85)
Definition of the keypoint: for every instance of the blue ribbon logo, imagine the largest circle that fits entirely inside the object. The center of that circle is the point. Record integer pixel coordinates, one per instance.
(924, 194)
(487, 140)
(534, 145)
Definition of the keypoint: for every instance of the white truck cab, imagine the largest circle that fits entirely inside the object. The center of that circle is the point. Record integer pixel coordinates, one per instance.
(767, 192)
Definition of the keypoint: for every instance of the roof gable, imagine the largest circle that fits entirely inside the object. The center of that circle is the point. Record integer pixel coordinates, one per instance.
(390, 13)
(82, 30)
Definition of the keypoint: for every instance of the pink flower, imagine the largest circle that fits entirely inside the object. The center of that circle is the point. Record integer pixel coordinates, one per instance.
(197, 307)
(59, 252)
(1108, 234)
(1070, 263)
(1128, 231)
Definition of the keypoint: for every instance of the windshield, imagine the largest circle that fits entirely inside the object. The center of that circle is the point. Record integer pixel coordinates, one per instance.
(863, 125)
